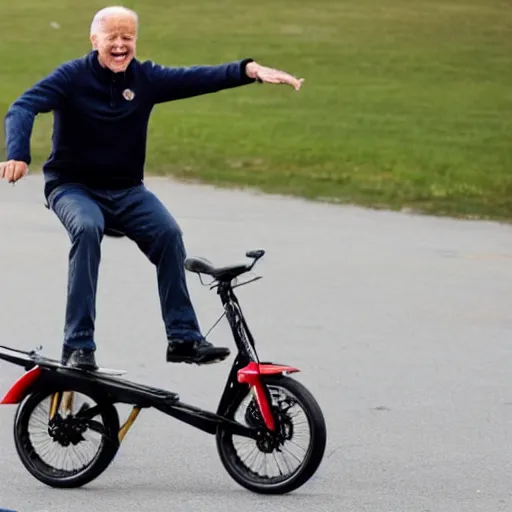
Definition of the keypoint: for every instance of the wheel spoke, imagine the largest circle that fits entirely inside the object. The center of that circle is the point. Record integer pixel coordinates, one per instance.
(286, 462)
(297, 445)
(277, 464)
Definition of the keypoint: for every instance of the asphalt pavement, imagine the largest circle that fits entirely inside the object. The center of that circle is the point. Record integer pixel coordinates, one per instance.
(401, 325)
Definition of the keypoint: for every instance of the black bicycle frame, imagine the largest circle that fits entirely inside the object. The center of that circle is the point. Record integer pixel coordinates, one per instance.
(244, 342)
(207, 421)
(52, 373)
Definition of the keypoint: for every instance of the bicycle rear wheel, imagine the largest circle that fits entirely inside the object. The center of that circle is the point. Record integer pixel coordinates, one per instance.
(63, 440)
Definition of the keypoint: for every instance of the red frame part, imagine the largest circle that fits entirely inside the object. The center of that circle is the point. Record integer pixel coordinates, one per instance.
(21, 387)
(251, 375)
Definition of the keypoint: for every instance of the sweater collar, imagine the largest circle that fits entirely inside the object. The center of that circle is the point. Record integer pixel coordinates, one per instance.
(105, 74)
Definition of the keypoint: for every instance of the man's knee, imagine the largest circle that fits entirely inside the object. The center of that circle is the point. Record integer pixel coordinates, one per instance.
(172, 230)
(163, 224)
(90, 227)
(87, 228)
(79, 214)
(165, 234)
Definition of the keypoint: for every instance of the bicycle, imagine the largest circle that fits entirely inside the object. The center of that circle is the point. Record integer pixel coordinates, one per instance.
(273, 401)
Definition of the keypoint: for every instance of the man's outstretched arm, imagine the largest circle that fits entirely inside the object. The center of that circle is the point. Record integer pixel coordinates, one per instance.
(172, 83)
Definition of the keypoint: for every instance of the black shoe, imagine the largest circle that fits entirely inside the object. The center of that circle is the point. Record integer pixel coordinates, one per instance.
(82, 359)
(198, 352)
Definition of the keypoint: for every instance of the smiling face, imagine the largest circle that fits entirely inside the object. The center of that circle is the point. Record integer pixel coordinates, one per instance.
(114, 35)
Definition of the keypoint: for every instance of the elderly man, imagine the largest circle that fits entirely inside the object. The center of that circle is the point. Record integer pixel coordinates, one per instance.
(94, 174)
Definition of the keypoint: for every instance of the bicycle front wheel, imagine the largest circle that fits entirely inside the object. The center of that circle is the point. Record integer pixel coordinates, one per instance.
(280, 461)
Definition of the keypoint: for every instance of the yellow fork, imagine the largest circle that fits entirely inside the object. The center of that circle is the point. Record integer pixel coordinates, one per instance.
(67, 401)
(128, 423)
(54, 405)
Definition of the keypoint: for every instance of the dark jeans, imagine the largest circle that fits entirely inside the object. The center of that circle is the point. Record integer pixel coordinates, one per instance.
(137, 212)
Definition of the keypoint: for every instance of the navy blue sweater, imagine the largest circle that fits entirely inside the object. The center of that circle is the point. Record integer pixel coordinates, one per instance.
(101, 118)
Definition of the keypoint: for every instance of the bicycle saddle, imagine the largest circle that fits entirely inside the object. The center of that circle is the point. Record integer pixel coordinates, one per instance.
(200, 265)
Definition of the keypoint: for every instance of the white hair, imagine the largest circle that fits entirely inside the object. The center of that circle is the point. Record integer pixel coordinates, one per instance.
(114, 10)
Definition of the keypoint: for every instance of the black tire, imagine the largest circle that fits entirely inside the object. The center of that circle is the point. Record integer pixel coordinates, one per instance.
(46, 473)
(315, 451)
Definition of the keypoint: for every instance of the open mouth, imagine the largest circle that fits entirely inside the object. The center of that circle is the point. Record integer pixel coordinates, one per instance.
(119, 56)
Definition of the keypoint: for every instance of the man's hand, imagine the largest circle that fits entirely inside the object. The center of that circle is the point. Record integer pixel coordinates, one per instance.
(272, 76)
(13, 170)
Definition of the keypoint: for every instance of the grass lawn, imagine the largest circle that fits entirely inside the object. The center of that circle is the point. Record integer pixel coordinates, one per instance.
(406, 104)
